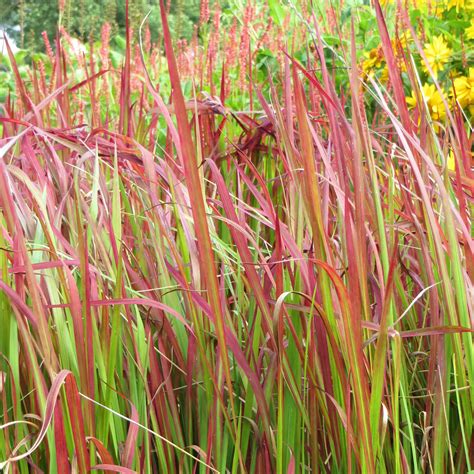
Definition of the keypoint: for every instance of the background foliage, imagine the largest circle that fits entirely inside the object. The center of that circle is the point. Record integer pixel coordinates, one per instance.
(84, 18)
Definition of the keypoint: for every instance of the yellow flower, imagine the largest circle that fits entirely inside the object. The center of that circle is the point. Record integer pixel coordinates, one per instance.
(384, 76)
(432, 7)
(437, 53)
(433, 99)
(374, 59)
(463, 90)
(401, 42)
(470, 31)
(405, 38)
(460, 5)
(451, 162)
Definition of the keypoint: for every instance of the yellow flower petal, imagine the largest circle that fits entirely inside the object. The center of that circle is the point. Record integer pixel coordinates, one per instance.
(437, 54)
(451, 162)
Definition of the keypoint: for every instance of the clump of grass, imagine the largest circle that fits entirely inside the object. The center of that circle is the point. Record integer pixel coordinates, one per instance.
(189, 287)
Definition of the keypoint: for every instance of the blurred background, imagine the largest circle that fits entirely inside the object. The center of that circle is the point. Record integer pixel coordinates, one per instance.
(25, 20)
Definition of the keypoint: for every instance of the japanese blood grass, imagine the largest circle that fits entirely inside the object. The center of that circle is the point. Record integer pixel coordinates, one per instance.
(190, 288)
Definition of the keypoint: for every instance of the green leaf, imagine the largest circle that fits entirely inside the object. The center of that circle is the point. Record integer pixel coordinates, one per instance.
(277, 11)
